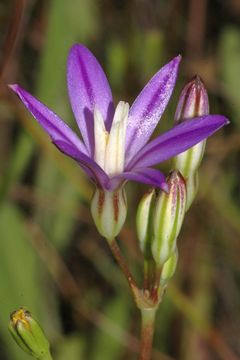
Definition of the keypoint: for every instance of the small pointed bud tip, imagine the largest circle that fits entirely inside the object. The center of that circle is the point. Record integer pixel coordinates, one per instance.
(20, 315)
(193, 101)
(175, 178)
(197, 80)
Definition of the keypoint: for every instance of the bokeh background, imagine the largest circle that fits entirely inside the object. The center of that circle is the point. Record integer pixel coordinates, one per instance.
(52, 259)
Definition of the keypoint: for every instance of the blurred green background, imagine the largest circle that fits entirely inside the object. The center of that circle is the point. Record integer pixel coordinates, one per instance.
(52, 260)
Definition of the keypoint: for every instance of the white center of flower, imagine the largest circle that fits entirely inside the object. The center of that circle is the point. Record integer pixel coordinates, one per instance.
(110, 146)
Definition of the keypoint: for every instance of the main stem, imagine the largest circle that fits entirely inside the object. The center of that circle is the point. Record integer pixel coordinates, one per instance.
(147, 306)
(147, 331)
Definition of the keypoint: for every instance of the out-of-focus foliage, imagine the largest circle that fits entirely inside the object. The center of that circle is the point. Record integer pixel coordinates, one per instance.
(51, 258)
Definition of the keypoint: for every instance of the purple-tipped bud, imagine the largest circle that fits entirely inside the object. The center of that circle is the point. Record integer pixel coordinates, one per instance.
(109, 210)
(193, 101)
(168, 218)
(144, 222)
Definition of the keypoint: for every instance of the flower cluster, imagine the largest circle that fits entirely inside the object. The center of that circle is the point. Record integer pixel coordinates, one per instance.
(115, 147)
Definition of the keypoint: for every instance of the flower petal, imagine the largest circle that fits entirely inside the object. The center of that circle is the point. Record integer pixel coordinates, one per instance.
(115, 148)
(88, 88)
(146, 176)
(92, 169)
(149, 106)
(51, 123)
(62, 136)
(178, 139)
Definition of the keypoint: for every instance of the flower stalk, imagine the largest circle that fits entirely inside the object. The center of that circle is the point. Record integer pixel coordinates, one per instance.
(147, 330)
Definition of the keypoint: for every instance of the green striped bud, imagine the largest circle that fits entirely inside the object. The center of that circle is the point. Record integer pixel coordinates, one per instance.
(169, 268)
(109, 210)
(144, 222)
(192, 188)
(193, 102)
(28, 334)
(168, 218)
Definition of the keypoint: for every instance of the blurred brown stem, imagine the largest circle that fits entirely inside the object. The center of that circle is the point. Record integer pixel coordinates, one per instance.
(196, 27)
(16, 21)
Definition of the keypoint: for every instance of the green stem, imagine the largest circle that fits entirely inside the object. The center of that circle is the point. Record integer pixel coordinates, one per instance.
(147, 331)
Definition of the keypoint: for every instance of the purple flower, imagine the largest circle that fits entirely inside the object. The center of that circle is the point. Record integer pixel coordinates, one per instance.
(114, 145)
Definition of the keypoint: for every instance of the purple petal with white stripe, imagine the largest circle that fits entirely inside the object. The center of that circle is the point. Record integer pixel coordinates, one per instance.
(146, 176)
(51, 122)
(178, 139)
(88, 87)
(149, 106)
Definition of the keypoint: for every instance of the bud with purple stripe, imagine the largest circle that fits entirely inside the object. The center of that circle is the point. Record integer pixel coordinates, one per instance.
(193, 102)
(109, 210)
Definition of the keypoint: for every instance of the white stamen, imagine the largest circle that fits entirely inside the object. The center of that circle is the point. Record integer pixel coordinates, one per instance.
(101, 137)
(115, 148)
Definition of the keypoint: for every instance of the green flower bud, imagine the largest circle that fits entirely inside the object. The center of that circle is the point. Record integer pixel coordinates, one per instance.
(109, 210)
(28, 334)
(144, 222)
(168, 218)
(192, 188)
(169, 268)
(193, 102)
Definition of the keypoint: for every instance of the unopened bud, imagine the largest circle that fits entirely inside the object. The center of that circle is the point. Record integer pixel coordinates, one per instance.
(109, 210)
(28, 334)
(192, 183)
(193, 102)
(144, 222)
(168, 218)
(169, 268)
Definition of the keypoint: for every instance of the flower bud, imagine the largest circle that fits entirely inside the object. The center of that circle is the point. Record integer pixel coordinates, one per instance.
(28, 334)
(168, 218)
(192, 183)
(109, 210)
(144, 222)
(169, 268)
(193, 102)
